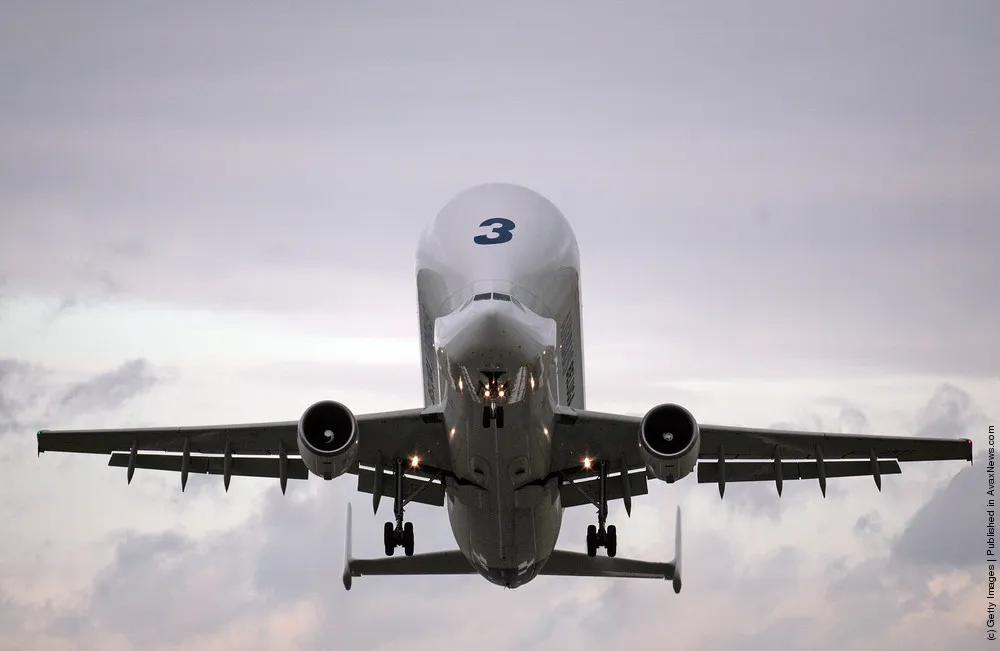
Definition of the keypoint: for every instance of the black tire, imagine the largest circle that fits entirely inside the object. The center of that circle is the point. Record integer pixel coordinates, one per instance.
(408, 538)
(591, 541)
(389, 538)
(612, 542)
(500, 417)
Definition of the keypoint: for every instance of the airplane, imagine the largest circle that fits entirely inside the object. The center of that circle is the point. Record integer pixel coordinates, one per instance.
(504, 440)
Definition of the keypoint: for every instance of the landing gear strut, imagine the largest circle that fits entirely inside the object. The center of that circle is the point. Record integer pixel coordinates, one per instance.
(493, 390)
(601, 535)
(400, 535)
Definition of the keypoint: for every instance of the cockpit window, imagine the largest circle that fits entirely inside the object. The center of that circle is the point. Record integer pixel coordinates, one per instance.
(496, 296)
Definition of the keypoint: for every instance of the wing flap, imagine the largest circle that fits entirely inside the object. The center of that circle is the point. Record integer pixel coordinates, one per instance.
(241, 466)
(585, 491)
(740, 471)
(418, 489)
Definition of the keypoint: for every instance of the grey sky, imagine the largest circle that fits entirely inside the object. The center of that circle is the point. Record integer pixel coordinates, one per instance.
(787, 213)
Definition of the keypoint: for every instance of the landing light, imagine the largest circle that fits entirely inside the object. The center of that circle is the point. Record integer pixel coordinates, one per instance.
(452, 433)
(460, 383)
(486, 393)
(532, 382)
(414, 461)
(500, 392)
(586, 463)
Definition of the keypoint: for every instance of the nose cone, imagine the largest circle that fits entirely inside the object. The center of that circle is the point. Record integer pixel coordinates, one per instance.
(494, 333)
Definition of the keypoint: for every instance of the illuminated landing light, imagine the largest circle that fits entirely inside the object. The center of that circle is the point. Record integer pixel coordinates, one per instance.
(500, 392)
(532, 382)
(460, 384)
(414, 461)
(586, 463)
(486, 393)
(545, 431)
(451, 434)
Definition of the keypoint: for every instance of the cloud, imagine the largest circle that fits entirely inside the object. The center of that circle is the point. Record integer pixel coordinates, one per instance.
(19, 392)
(932, 537)
(111, 389)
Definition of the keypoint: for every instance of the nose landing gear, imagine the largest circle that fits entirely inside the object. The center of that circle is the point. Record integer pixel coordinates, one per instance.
(493, 391)
(492, 412)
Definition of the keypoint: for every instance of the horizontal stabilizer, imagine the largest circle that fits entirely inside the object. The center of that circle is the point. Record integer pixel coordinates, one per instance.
(562, 563)
(450, 562)
(213, 465)
(708, 471)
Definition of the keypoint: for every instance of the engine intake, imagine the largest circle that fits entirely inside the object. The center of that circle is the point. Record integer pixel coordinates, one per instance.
(670, 441)
(328, 439)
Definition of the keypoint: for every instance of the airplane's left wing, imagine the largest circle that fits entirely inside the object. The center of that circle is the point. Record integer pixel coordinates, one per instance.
(745, 454)
(266, 449)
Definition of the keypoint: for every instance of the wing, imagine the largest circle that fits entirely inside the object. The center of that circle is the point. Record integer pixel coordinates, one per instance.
(271, 449)
(753, 454)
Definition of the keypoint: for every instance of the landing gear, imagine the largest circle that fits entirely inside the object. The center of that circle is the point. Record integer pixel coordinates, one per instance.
(400, 534)
(493, 391)
(601, 535)
(492, 412)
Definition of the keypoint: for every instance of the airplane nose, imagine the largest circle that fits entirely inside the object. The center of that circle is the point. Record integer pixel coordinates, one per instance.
(495, 332)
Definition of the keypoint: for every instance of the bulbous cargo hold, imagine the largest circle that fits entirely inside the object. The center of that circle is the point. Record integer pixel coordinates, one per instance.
(328, 439)
(670, 441)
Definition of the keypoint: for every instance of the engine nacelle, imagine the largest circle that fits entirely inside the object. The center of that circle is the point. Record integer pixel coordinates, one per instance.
(670, 441)
(328, 439)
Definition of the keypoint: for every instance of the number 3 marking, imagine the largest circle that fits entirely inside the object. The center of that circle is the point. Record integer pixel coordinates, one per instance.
(501, 231)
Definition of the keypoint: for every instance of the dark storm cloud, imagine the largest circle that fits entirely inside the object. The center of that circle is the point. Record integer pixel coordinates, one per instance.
(112, 388)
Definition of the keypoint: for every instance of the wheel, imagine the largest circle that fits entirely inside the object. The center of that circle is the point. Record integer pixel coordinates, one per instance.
(486, 417)
(408, 538)
(499, 416)
(389, 538)
(612, 542)
(591, 541)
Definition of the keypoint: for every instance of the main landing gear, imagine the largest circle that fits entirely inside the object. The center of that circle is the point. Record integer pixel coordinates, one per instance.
(601, 535)
(400, 535)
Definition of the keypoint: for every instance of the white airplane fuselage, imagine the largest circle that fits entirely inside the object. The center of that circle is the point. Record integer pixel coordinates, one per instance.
(498, 289)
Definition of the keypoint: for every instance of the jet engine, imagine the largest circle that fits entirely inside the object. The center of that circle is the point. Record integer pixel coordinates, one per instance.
(328, 439)
(670, 441)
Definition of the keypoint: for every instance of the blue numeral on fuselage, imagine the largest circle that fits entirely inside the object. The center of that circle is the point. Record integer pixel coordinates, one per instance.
(500, 233)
